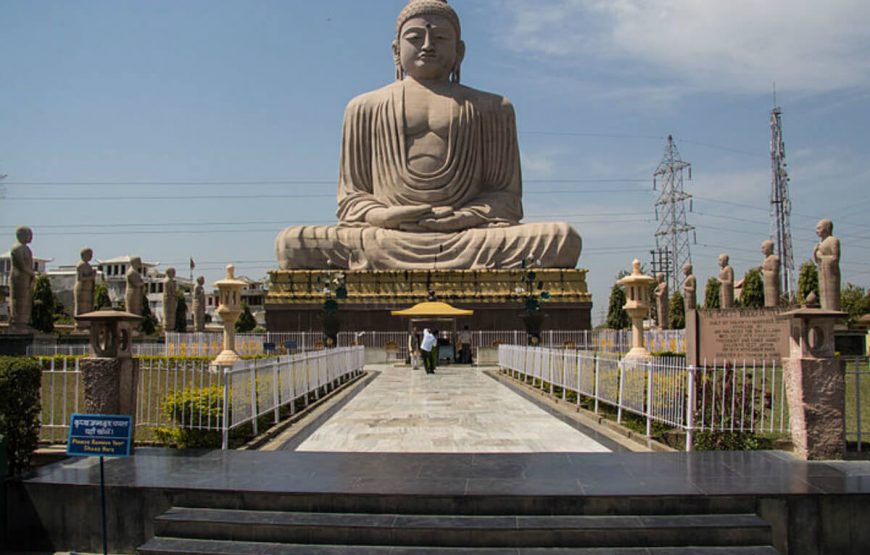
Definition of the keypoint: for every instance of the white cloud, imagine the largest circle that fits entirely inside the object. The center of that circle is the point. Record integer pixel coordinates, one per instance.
(705, 45)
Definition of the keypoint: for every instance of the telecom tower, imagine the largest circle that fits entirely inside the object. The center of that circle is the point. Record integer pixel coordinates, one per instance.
(672, 237)
(780, 205)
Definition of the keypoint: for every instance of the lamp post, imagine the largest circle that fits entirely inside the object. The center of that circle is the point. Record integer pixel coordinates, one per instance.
(229, 309)
(637, 306)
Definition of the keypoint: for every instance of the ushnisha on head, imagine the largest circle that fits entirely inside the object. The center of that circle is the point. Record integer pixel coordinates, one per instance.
(428, 28)
(24, 235)
(767, 248)
(825, 228)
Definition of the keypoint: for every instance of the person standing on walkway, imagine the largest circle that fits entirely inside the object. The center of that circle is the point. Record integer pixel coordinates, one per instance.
(414, 348)
(465, 346)
(427, 348)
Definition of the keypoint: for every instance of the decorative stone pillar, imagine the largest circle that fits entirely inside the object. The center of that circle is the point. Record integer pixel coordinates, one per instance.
(637, 304)
(229, 309)
(110, 375)
(815, 385)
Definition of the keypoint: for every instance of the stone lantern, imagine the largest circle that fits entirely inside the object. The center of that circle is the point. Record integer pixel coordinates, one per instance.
(815, 385)
(637, 306)
(110, 375)
(229, 309)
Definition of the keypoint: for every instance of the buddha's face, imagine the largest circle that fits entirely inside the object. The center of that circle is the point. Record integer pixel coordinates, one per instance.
(429, 48)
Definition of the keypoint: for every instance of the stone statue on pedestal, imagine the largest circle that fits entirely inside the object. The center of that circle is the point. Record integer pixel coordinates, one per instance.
(770, 273)
(83, 292)
(726, 283)
(199, 305)
(690, 288)
(430, 171)
(21, 281)
(135, 284)
(827, 257)
(170, 300)
(662, 301)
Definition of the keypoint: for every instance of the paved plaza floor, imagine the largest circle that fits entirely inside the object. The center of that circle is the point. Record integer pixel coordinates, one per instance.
(459, 409)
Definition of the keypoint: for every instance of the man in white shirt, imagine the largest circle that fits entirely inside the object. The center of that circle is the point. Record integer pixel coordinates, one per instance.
(426, 348)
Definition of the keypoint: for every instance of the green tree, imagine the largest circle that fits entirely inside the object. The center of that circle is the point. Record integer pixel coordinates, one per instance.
(181, 313)
(676, 312)
(101, 297)
(43, 310)
(246, 321)
(711, 293)
(149, 321)
(617, 317)
(752, 294)
(854, 303)
(808, 281)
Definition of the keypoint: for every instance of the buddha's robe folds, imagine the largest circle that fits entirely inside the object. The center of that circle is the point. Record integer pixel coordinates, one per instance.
(481, 176)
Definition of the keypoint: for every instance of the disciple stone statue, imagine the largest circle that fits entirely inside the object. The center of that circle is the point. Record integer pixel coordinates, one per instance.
(199, 305)
(83, 293)
(133, 294)
(770, 273)
(662, 301)
(429, 171)
(827, 257)
(690, 287)
(170, 300)
(726, 283)
(21, 281)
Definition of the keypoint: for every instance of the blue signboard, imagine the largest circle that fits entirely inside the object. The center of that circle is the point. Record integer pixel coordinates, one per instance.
(99, 435)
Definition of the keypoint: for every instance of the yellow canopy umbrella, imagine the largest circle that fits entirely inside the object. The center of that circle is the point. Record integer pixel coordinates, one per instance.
(433, 310)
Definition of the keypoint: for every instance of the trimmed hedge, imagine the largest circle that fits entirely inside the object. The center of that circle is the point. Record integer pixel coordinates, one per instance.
(187, 409)
(20, 380)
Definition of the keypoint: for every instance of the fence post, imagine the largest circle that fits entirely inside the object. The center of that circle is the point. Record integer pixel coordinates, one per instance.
(858, 400)
(225, 413)
(254, 410)
(690, 409)
(649, 397)
(619, 395)
(276, 365)
(597, 376)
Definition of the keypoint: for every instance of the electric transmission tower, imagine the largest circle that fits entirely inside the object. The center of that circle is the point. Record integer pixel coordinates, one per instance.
(672, 237)
(780, 205)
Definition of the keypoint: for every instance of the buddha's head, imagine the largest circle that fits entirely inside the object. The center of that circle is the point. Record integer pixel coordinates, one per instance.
(428, 44)
(825, 228)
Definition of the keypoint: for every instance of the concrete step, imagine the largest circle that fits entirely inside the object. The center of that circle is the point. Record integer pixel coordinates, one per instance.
(463, 531)
(175, 546)
(487, 504)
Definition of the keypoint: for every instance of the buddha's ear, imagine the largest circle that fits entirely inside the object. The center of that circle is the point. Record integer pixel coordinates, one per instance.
(460, 52)
(397, 60)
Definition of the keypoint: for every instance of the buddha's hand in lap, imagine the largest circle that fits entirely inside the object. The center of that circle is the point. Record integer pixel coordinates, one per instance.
(397, 217)
(453, 221)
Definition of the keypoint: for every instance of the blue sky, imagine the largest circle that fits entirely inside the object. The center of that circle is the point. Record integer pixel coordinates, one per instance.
(180, 116)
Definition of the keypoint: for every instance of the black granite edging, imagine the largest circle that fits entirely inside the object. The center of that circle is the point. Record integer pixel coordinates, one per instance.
(310, 427)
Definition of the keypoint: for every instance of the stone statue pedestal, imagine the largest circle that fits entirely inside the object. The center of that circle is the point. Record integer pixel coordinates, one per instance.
(295, 303)
(815, 385)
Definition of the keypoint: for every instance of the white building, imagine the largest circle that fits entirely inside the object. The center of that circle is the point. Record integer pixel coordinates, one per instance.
(253, 294)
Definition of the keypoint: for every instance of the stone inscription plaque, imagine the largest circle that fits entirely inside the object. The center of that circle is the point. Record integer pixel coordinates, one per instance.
(743, 335)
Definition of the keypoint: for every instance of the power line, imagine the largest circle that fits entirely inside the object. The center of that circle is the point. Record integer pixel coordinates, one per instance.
(272, 182)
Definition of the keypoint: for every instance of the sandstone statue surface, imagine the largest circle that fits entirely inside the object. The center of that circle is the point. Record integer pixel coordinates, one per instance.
(726, 283)
(21, 280)
(199, 305)
(662, 301)
(690, 288)
(429, 172)
(827, 257)
(770, 274)
(135, 285)
(86, 280)
(170, 300)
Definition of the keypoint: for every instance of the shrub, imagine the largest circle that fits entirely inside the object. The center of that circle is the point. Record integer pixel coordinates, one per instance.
(20, 380)
(188, 408)
(711, 293)
(752, 295)
(677, 312)
(731, 441)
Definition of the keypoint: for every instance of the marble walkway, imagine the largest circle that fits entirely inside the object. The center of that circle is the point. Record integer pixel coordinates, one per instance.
(456, 410)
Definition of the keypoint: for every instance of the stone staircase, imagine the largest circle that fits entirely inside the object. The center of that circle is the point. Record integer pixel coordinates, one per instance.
(516, 525)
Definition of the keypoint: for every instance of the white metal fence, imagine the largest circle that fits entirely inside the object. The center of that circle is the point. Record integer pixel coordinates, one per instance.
(251, 389)
(717, 397)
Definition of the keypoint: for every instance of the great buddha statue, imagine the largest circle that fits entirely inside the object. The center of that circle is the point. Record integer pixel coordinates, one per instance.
(430, 171)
